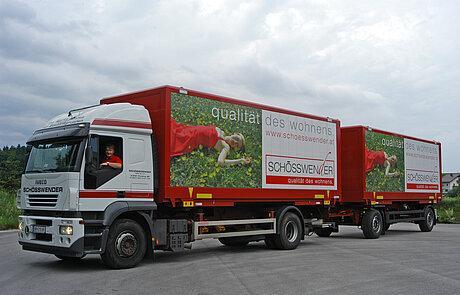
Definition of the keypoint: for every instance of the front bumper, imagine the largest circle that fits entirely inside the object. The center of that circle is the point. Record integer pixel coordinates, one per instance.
(51, 241)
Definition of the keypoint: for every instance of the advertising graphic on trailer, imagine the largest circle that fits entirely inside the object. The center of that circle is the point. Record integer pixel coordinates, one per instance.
(298, 152)
(397, 164)
(219, 144)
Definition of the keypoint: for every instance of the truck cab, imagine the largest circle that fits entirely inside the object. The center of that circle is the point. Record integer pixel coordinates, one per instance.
(69, 196)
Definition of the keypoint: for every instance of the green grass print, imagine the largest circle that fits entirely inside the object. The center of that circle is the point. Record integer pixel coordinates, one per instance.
(376, 179)
(199, 168)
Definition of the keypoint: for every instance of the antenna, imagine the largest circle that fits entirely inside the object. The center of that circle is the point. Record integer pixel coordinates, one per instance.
(79, 109)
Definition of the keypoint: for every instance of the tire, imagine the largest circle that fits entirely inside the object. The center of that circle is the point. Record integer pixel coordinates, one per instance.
(234, 241)
(126, 244)
(427, 224)
(270, 242)
(290, 232)
(323, 232)
(68, 258)
(372, 224)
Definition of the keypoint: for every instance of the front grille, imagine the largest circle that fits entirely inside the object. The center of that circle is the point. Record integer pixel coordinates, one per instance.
(42, 200)
(44, 222)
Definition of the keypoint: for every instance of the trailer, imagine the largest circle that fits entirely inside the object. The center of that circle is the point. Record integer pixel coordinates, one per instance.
(387, 178)
(160, 168)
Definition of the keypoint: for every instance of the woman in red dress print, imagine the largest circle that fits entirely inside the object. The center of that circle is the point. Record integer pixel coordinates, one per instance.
(186, 138)
(380, 158)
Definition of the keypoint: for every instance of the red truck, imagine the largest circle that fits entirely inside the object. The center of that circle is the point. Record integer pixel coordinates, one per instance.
(161, 168)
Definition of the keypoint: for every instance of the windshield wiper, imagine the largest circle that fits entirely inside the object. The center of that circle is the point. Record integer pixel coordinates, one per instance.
(34, 171)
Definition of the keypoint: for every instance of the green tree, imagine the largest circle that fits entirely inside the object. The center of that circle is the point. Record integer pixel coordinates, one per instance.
(11, 166)
(455, 192)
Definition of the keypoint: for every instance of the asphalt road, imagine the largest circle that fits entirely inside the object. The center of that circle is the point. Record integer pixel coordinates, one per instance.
(405, 261)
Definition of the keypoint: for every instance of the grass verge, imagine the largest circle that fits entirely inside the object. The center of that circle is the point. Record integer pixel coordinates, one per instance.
(449, 210)
(8, 211)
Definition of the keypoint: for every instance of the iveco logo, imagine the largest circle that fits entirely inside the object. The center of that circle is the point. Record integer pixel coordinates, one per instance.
(40, 182)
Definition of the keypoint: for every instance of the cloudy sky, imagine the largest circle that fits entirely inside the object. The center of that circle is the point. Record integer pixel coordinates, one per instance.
(393, 65)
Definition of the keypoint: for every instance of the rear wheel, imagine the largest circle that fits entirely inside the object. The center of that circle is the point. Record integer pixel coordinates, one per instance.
(427, 224)
(372, 224)
(126, 244)
(290, 232)
(323, 232)
(234, 241)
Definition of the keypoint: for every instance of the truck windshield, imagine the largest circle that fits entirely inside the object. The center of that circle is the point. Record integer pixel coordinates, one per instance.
(58, 156)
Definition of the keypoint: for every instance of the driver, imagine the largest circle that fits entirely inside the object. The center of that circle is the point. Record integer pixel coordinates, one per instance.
(111, 160)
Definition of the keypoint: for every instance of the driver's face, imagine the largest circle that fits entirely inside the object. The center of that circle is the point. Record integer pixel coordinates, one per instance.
(109, 151)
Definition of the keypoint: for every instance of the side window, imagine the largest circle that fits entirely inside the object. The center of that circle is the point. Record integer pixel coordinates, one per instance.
(105, 160)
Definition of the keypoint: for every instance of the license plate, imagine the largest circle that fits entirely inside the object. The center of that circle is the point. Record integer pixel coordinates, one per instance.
(38, 229)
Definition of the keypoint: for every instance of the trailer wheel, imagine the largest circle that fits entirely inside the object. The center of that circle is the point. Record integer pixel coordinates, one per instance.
(126, 244)
(234, 241)
(323, 232)
(372, 224)
(427, 224)
(290, 232)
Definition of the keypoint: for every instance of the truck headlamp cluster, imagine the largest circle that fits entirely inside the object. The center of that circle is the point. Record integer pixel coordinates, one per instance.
(66, 230)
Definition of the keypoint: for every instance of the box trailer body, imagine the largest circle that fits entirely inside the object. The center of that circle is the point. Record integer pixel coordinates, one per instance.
(413, 176)
(387, 178)
(294, 156)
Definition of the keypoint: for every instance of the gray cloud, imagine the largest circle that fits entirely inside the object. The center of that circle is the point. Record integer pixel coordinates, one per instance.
(391, 65)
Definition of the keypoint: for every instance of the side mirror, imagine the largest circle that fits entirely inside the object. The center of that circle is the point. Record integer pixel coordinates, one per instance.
(26, 158)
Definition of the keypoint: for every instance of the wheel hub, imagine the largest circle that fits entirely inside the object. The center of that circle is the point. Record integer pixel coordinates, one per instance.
(291, 231)
(126, 244)
(375, 224)
(430, 218)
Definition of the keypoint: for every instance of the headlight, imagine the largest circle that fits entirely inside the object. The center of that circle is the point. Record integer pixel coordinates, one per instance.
(66, 230)
(21, 225)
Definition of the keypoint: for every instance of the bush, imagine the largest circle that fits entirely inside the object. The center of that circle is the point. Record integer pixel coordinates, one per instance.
(8, 212)
(449, 210)
(455, 192)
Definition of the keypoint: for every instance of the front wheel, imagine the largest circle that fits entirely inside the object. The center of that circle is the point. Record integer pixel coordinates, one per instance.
(290, 232)
(126, 244)
(372, 224)
(427, 224)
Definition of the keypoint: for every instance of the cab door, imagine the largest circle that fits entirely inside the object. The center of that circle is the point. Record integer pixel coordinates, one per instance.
(139, 172)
